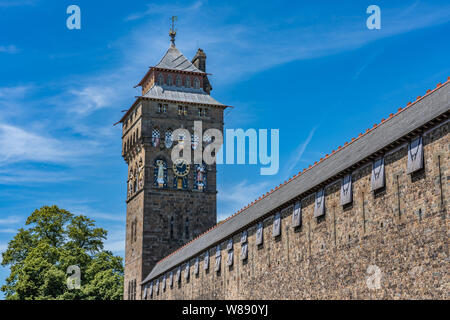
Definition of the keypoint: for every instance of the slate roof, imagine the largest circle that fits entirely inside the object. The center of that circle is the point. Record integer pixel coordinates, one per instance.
(434, 104)
(180, 94)
(175, 60)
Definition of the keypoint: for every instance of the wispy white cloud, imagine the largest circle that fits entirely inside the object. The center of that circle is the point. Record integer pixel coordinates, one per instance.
(8, 230)
(12, 175)
(17, 144)
(17, 3)
(116, 240)
(13, 92)
(156, 9)
(95, 214)
(91, 98)
(255, 47)
(10, 220)
(12, 100)
(298, 154)
(238, 195)
(9, 49)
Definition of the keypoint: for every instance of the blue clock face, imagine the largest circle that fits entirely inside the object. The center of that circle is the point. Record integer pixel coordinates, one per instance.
(181, 167)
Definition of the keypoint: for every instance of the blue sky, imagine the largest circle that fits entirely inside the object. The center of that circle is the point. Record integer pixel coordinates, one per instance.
(310, 69)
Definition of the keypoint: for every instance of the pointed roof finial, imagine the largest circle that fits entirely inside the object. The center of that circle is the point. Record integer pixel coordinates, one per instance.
(173, 31)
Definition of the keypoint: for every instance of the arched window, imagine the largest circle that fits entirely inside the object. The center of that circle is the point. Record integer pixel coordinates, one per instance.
(169, 80)
(196, 83)
(186, 228)
(188, 82)
(195, 141)
(156, 136)
(160, 79)
(168, 138)
(207, 139)
(178, 81)
(171, 228)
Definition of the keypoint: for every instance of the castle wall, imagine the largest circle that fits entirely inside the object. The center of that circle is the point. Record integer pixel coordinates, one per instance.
(398, 235)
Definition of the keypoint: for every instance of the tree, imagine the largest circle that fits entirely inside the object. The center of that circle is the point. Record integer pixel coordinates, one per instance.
(53, 240)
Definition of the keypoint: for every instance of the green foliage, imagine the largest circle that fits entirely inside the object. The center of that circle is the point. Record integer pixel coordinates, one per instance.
(53, 240)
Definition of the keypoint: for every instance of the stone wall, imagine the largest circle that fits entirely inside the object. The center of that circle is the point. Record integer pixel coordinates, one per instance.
(398, 235)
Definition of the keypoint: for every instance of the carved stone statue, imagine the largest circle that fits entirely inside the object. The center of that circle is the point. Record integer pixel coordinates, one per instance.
(141, 171)
(200, 177)
(160, 177)
(130, 184)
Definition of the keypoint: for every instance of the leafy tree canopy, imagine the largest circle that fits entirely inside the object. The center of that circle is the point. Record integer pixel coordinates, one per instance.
(45, 257)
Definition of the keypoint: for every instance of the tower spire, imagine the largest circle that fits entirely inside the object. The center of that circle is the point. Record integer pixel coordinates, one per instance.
(173, 31)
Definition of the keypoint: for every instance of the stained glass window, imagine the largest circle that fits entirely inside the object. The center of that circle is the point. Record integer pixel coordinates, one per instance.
(155, 137)
(168, 138)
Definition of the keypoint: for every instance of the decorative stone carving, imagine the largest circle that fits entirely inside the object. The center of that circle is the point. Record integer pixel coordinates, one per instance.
(244, 236)
(276, 230)
(244, 251)
(130, 183)
(200, 177)
(319, 206)
(378, 179)
(346, 190)
(259, 233)
(230, 244)
(415, 155)
(196, 266)
(230, 258)
(206, 261)
(297, 215)
(218, 258)
(160, 174)
(164, 283)
(141, 172)
(171, 279)
(178, 278)
(187, 271)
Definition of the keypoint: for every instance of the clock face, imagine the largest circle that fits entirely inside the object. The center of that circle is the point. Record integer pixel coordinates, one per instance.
(181, 167)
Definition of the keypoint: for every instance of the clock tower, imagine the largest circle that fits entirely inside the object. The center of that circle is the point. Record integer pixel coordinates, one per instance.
(168, 202)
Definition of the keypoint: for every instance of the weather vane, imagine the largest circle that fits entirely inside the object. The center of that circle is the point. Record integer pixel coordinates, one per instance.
(173, 31)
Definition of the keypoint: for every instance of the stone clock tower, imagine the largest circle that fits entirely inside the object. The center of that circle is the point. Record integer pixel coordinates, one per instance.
(168, 203)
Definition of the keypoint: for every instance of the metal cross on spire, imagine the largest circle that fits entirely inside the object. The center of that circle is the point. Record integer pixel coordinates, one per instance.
(173, 31)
